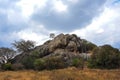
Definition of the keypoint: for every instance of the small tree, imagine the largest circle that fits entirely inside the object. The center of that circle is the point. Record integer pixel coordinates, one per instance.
(6, 54)
(52, 35)
(24, 46)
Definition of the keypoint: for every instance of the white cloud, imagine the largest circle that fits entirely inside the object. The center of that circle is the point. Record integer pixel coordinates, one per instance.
(59, 6)
(28, 6)
(29, 35)
(100, 31)
(104, 29)
(15, 17)
(34, 32)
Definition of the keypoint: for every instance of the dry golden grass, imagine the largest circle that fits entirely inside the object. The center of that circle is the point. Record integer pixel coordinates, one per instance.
(62, 74)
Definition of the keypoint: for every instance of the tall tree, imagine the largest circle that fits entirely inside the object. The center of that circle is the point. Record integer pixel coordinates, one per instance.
(24, 46)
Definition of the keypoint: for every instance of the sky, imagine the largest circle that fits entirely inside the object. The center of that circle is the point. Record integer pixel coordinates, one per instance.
(97, 21)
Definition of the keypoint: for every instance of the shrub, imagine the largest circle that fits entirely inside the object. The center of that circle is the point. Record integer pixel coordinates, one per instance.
(6, 66)
(35, 53)
(55, 63)
(17, 66)
(78, 62)
(105, 57)
(49, 63)
(28, 62)
(87, 46)
(39, 64)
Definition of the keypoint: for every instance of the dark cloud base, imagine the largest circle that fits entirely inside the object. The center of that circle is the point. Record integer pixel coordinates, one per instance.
(79, 15)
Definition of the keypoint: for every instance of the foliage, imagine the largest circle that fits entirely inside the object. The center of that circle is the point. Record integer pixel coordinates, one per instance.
(28, 62)
(24, 46)
(49, 63)
(35, 53)
(78, 62)
(39, 64)
(52, 35)
(6, 66)
(105, 57)
(55, 63)
(87, 46)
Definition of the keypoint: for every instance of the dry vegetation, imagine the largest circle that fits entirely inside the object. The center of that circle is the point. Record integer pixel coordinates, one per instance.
(62, 74)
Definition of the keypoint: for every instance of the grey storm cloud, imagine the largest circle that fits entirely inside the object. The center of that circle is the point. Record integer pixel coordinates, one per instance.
(79, 15)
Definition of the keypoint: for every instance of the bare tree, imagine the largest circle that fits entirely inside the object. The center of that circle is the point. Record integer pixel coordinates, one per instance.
(24, 46)
(6, 54)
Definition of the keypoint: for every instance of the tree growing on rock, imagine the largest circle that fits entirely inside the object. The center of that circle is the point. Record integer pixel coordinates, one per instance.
(52, 35)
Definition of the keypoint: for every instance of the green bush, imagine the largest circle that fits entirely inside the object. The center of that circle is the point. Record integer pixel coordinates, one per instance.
(87, 46)
(55, 63)
(28, 62)
(78, 62)
(35, 53)
(6, 66)
(39, 64)
(49, 63)
(105, 57)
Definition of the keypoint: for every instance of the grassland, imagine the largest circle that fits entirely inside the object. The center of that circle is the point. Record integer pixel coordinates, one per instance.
(61, 74)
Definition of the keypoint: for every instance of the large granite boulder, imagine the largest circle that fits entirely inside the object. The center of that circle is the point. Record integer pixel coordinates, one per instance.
(69, 43)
